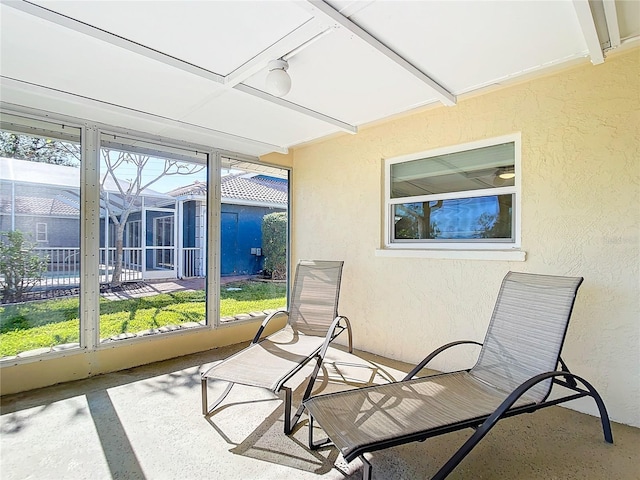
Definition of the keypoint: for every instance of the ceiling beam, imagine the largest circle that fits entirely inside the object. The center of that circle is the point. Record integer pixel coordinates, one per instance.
(9, 84)
(588, 26)
(611, 15)
(326, 10)
(295, 107)
(129, 45)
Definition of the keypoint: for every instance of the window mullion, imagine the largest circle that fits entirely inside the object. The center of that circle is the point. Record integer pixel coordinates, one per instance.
(90, 240)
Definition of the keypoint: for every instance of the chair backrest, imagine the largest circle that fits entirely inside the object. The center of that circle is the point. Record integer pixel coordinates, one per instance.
(526, 331)
(314, 296)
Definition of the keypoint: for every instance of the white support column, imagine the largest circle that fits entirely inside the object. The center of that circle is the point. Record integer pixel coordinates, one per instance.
(90, 239)
(213, 240)
(143, 233)
(106, 237)
(179, 231)
(13, 205)
(611, 15)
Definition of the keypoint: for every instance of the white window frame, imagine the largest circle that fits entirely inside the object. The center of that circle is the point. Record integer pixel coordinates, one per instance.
(40, 231)
(480, 244)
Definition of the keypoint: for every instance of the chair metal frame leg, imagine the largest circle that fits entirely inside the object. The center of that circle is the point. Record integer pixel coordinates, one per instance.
(206, 409)
(316, 445)
(291, 421)
(366, 468)
(500, 412)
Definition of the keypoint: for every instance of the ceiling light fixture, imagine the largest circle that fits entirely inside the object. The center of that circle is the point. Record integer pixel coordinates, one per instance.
(507, 173)
(504, 176)
(278, 80)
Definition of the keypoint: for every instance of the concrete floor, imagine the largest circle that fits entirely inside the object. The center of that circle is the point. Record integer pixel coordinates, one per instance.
(145, 423)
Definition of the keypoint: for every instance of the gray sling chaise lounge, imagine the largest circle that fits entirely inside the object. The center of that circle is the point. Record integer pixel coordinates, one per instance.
(313, 322)
(514, 373)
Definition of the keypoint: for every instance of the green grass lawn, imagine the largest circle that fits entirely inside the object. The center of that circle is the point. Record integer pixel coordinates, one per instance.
(54, 322)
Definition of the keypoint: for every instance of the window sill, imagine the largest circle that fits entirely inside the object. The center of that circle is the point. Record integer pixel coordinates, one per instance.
(499, 255)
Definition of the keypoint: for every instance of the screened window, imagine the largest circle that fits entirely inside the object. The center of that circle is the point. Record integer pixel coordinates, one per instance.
(254, 218)
(455, 198)
(40, 164)
(146, 237)
(149, 194)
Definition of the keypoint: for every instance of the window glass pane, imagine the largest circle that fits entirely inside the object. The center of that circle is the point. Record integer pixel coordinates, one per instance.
(455, 219)
(40, 239)
(476, 169)
(254, 241)
(153, 245)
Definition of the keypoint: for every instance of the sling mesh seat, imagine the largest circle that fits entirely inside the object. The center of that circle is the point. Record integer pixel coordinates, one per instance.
(514, 373)
(313, 322)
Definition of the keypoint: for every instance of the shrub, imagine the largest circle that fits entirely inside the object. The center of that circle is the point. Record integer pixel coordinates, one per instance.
(20, 267)
(274, 245)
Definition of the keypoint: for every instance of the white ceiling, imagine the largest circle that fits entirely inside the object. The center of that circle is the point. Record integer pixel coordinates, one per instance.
(195, 70)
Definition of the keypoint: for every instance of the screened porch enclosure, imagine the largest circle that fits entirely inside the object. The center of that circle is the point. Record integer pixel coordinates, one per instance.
(140, 230)
(151, 240)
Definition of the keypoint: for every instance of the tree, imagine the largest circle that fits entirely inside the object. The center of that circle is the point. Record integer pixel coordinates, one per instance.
(20, 267)
(274, 245)
(131, 189)
(416, 221)
(58, 152)
(39, 149)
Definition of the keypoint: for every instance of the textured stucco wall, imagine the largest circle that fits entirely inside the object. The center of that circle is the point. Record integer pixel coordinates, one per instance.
(580, 216)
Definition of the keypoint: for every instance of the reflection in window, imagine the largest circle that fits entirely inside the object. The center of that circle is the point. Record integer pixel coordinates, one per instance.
(461, 195)
(455, 219)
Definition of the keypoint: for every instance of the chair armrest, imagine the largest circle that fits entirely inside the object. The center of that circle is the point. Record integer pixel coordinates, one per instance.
(433, 354)
(331, 334)
(256, 339)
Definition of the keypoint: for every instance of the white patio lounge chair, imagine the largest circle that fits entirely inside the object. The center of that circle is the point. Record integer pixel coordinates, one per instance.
(313, 322)
(516, 368)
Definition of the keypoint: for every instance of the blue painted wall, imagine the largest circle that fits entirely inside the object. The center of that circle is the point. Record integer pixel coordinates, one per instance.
(241, 230)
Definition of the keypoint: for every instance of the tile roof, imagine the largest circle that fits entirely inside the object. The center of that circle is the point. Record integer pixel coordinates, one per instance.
(259, 188)
(32, 205)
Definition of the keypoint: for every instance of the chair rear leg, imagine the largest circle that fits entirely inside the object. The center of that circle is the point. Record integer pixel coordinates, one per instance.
(287, 411)
(604, 416)
(366, 468)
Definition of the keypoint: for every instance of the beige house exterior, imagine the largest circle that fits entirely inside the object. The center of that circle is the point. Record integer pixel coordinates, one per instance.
(580, 131)
(580, 215)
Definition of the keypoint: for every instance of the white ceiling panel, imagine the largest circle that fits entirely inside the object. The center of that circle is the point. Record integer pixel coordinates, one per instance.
(229, 112)
(467, 44)
(216, 35)
(66, 60)
(347, 74)
(196, 70)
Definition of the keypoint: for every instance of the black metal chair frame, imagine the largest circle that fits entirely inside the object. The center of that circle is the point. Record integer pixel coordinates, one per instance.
(481, 424)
